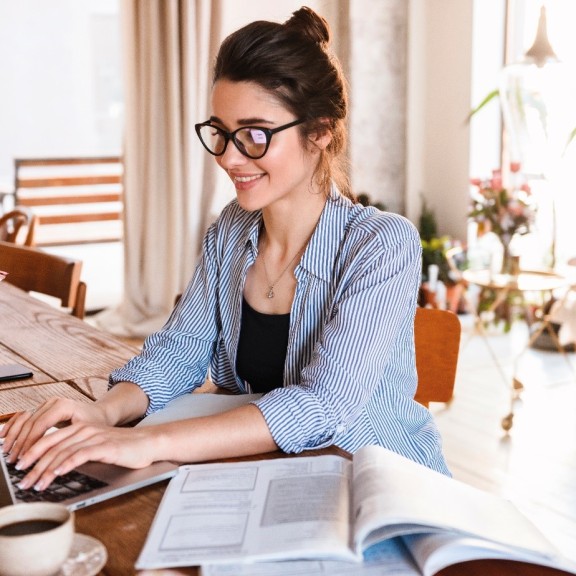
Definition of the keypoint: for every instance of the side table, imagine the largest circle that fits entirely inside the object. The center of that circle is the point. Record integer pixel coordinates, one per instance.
(504, 285)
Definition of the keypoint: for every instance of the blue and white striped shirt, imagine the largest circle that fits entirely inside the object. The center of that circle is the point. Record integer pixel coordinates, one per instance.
(350, 372)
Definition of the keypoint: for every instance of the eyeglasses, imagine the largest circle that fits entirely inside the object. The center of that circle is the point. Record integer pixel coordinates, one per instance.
(251, 141)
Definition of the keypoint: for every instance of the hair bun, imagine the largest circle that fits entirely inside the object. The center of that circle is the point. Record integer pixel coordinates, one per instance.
(311, 25)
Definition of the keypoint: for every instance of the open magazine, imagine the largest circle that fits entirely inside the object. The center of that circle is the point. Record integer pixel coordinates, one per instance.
(376, 509)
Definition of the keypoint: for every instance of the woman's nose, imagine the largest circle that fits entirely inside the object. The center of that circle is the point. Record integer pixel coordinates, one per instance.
(232, 157)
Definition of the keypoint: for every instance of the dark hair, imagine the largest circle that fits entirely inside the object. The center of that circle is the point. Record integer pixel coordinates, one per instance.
(292, 60)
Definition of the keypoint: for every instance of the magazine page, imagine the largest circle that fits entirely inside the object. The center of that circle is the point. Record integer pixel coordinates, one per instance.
(389, 558)
(288, 508)
(395, 496)
(434, 552)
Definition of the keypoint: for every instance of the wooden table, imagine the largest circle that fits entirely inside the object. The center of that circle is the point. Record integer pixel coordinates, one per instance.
(70, 358)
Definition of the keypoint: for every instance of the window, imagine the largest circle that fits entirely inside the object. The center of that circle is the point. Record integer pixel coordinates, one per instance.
(61, 95)
(61, 79)
(554, 238)
(546, 158)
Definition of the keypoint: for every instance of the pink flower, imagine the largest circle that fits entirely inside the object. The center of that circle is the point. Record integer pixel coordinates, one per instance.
(503, 210)
(496, 181)
(516, 208)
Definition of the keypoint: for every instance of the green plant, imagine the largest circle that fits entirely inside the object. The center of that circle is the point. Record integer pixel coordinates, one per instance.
(427, 224)
(365, 200)
(434, 246)
(495, 94)
(434, 252)
(510, 309)
(488, 98)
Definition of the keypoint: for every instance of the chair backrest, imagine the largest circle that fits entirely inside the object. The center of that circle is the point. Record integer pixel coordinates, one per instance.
(18, 226)
(77, 200)
(34, 270)
(437, 340)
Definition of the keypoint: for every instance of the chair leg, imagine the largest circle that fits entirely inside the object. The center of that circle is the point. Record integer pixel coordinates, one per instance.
(79, 309)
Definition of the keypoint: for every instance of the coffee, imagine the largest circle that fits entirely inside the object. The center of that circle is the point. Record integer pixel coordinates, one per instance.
(35, 538)
(24, 527)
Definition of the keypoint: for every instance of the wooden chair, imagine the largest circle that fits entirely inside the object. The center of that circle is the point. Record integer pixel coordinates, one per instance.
(554, 314)
(437, 340)
(34, 270)
(18, 224)
(77, 200)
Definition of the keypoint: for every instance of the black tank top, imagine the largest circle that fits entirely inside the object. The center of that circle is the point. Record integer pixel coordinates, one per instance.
(262, 348)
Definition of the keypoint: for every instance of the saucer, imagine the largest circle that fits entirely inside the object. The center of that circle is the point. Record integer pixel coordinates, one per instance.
(86, 557)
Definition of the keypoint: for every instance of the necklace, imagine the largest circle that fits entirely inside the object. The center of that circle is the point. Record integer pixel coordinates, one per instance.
(270, 292)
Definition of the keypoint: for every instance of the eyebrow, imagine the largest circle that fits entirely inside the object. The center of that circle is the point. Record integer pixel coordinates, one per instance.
(255, 121)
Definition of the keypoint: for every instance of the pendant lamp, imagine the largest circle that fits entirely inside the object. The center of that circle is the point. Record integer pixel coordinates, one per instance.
(537, 97)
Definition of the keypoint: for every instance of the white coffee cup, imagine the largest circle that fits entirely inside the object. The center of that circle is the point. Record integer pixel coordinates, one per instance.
(35, 538)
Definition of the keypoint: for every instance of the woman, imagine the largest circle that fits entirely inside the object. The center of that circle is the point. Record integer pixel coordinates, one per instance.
(300, 293)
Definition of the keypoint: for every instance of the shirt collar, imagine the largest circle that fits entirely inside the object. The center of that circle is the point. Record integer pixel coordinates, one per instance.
(318, 259)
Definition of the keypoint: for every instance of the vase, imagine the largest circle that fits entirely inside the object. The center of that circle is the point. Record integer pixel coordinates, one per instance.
(509, 261)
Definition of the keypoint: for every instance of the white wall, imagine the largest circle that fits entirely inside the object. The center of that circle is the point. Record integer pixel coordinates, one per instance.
(439, 63)
(377, 119)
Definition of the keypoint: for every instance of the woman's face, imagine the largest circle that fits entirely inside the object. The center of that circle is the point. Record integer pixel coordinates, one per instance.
(284, 173)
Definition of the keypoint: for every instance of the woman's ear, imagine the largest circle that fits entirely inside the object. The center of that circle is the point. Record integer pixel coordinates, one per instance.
(321, 136)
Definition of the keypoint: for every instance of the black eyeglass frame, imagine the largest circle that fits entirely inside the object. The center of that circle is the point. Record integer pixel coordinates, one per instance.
(268, 132)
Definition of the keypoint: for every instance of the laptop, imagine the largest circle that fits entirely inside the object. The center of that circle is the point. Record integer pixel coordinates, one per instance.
(88, 484)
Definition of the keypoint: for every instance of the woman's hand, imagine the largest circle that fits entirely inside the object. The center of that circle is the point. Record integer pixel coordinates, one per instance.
(59, 452)
(26, 442)
(92, 435)
(24, 429)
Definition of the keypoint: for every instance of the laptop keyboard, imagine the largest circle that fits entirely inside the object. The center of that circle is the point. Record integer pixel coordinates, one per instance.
(62, 488)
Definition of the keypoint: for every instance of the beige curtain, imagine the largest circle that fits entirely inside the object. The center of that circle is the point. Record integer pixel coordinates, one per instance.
(168, 47)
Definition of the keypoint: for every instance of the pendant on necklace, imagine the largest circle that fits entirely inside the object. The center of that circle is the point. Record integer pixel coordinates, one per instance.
(270, 293)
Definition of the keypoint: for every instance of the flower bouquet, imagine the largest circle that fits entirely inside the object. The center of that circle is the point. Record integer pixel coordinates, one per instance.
(503, 210)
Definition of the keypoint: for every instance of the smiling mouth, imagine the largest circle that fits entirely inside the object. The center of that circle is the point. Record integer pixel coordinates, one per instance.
(243, 179)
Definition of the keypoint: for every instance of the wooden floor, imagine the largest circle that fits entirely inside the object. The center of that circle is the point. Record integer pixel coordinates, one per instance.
(535, 463)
